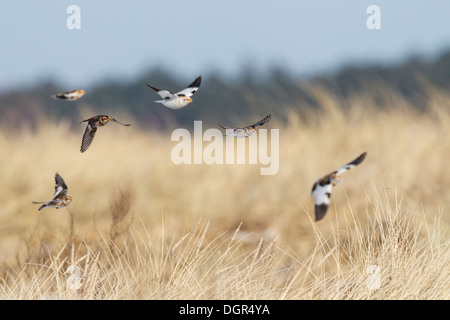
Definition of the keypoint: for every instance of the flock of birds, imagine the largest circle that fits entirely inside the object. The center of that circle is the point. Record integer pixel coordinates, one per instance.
(321, 190)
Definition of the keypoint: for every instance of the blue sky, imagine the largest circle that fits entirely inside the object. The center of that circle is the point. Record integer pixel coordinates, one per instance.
(124, 39)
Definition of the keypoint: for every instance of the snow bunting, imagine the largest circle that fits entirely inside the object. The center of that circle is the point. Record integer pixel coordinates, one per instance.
(60, 198)
(180, 99)
(323, 186)
(91, 128)
(70, 95)
(246, 131)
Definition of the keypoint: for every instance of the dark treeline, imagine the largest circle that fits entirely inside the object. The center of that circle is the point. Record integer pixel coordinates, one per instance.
(246, 97)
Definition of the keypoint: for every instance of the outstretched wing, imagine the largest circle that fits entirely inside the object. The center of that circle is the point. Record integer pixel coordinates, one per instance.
(124, 124)
(350, 165)
(166, 95)
(88, 136)
(262, 122)
(60, 187)
(191, 89)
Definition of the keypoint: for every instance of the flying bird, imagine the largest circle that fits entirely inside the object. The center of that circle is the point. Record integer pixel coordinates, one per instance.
(70, 95)
(60, 198)
(91, 129)
(180, 99)
(246, 131)
(323, 187)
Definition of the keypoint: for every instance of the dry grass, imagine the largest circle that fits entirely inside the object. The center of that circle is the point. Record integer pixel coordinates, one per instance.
(141, 227)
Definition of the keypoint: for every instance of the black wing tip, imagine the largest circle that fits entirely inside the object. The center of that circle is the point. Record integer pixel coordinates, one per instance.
(262, 121)
(360, 158)
(320, 211)
(196, 83)
(84, 146)
(154, 88)
(314, 187)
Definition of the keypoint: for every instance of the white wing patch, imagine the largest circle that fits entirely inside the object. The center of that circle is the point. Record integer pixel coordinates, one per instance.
(322, 194)
(191, 89)
(166, 94)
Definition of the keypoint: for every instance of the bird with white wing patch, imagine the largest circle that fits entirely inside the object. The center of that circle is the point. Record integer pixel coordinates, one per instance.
(180, 99)
(323, 187)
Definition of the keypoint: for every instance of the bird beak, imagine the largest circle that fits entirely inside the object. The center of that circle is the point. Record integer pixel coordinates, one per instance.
(190, 99)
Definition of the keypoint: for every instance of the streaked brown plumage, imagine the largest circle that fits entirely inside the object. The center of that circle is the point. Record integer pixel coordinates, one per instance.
(91, 129)
(70, 95)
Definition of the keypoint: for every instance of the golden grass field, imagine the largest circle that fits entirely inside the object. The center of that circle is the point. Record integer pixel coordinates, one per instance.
(141, 227)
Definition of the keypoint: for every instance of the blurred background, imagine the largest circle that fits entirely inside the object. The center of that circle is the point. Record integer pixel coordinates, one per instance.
(247, 53)
(335, 88)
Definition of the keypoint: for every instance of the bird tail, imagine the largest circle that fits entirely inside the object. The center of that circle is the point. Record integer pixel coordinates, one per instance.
(45, 204)
(43, 207)
(59, 96)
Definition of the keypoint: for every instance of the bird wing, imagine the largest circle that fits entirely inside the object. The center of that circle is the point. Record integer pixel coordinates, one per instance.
(72, 93)
(350, 165)
(124, 124)
(262, 121)
(322, 192)
(167, 95)
(191, 89)
(88, 136)
(60, 188)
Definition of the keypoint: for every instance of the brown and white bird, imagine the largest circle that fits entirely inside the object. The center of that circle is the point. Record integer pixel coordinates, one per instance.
(70, 95)
(60, 197)
(323, 187)
(91, 128)
(180, 99)
(246, 131)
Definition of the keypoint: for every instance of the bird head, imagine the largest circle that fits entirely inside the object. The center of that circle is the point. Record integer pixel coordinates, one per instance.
(187, 100)
(335, 179)
(104, 119)
(67, 200)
